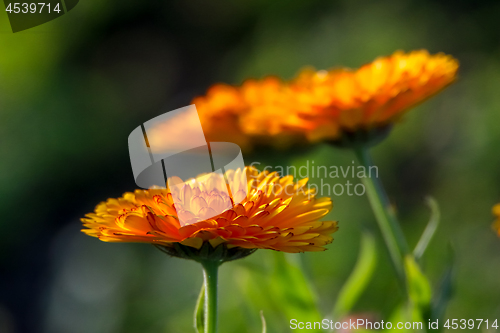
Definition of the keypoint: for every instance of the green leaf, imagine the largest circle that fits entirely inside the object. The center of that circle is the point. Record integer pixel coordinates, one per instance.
(408, 313)
(280, 288)
(291, 289)
(199, 312)
(419, 288)
(445, 290)
(263, 319)
(359, 278)
(418, 306)
(429, 231)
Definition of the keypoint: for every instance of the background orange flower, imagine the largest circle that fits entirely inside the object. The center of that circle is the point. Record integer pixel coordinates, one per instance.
(496, 212)
(323, 105)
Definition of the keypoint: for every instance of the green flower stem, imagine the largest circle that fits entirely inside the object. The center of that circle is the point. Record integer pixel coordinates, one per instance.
(386, 219)
(210, 273)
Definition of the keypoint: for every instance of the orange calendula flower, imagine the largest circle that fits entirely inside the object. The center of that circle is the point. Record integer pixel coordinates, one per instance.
(336, 105)
(277, 213)
(496, 212)
(343, 101)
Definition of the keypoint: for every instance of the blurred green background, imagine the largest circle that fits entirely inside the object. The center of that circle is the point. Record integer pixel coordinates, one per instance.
(73, 89)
